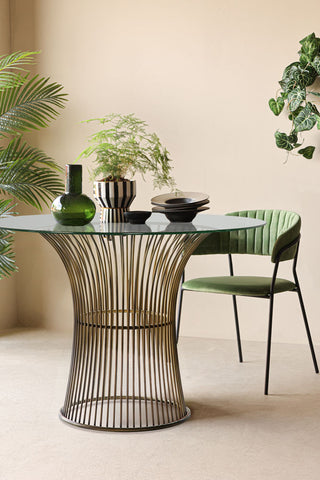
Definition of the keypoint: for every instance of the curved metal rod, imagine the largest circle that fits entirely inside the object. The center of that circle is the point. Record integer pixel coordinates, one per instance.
(124, 372)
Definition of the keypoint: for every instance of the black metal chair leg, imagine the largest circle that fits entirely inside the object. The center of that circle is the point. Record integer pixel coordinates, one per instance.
(266, 384)
(307, 327)
(179, 308)
(236, 318)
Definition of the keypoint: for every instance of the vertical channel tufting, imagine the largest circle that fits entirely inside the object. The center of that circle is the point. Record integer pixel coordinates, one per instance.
(281, 228)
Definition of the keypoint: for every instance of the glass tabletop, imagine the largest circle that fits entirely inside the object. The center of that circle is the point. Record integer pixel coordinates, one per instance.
(157, 224)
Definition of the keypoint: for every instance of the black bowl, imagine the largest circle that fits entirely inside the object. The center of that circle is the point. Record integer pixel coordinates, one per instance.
(137, 216)
(182, 216)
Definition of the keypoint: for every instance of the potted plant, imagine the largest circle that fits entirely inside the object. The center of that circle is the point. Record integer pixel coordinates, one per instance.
(302, 111)
(123, 148)
(27, 103)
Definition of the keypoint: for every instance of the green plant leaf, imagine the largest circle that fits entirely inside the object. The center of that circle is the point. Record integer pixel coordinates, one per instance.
(29, 106)
(11, 68)
(16, 60)
(276, 105)
(307, 152)
(297, 75)
(295, 97)
(305, 120)
(293, 138)
(316, 64)
(282, 141)
(304, 60)
(28, 174)
(310, 47)
(26, 103)
(314, 108)
(287, 85)
(304, 76)
(125, 147)
(294, 114)
(317, 94)
(7, 263)
(290, 70)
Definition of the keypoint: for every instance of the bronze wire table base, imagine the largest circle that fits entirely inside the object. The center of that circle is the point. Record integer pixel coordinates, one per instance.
(124, 372)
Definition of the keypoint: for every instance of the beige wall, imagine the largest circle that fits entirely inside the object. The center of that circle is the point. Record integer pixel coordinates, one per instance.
(200, 73)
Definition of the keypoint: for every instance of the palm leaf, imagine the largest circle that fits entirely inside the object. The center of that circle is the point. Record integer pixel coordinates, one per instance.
(28, 174)
(29, 106)
(11, 66)
(7, 263)
(16, 60)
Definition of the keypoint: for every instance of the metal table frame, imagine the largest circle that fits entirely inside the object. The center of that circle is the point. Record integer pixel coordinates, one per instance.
(124, 372)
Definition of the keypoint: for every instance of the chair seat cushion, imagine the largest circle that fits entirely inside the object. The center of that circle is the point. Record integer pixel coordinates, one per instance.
(238, 285)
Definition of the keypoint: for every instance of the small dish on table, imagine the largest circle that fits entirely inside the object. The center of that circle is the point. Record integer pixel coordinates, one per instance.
(137, 216)
(180, 207)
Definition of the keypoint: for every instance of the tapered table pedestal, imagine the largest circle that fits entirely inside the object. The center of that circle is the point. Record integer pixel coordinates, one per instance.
(124, 372)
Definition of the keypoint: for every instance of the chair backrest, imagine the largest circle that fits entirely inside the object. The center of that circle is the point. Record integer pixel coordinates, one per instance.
(282, 227)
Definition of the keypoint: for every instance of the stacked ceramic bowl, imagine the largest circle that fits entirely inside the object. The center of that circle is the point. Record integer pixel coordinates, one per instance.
(180, 207)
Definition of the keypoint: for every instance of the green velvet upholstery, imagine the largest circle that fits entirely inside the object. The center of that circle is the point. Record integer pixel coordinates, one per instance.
(239, 285)
(281, 228)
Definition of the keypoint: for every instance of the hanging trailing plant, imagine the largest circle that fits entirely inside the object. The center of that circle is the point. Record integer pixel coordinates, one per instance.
(298, 98)
(27, 103)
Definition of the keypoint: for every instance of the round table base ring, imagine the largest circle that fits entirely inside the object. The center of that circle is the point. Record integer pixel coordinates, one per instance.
(123, 429)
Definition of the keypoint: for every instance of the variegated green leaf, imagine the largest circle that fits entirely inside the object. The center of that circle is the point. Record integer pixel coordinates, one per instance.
(317, 94)
(310, 46)
(307, 152)
(293, 138)
(304, 76)
(282, 141)
(314, 108)
(276, 105)
(290, 70)
(316, 64)
(287, 85)
(294, 114)
(304, 59)
(295, 97)
(305, 120)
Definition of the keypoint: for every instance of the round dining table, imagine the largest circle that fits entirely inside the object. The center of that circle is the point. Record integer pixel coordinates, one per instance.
(124, 373)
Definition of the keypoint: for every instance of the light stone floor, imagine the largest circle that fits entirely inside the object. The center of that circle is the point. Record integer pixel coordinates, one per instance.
(235, 432)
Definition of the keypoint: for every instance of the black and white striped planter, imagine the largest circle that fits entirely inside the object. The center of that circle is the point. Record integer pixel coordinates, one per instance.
(114, 199)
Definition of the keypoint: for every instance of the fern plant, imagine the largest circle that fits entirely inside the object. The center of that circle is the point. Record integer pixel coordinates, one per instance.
(27, 102)
(124, 147)
(302, 111)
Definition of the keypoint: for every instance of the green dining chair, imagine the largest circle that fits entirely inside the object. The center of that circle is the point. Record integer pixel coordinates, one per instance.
(278, 239)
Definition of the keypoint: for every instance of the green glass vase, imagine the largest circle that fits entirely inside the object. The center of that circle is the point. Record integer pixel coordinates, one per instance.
(73, 207)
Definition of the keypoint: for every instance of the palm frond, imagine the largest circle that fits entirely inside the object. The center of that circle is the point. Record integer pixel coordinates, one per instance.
(11, 67)
(30, 106)
(16, 60)
(7, 263)
(28, 174)
(10, 80)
